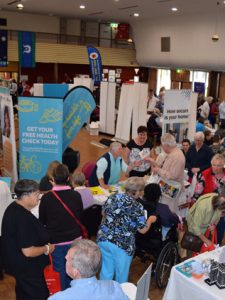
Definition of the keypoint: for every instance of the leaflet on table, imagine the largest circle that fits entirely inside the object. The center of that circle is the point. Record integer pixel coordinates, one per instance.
(186, 268)
(97, 190)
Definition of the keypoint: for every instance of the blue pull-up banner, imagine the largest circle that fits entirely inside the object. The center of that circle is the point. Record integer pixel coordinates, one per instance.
(26, 44)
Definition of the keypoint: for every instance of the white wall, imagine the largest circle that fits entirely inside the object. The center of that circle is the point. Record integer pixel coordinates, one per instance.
(30, 22)
(191, 43)
(37, 23)
(73, 27)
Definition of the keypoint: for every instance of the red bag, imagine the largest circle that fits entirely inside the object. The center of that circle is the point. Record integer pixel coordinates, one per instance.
(52, 278)
(213, 239)
(205, 248)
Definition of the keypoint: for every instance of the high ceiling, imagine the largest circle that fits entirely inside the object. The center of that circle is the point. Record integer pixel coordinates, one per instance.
(113, 10)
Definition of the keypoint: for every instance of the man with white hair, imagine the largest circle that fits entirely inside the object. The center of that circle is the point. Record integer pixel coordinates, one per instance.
(108, 168)
(83, 262)
(172, 167)
(199, 155)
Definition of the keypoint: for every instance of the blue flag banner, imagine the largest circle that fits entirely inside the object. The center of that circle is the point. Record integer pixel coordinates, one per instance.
(3, 48)
(26, 44)
(78, 105)
(95, 63)
(40, 135)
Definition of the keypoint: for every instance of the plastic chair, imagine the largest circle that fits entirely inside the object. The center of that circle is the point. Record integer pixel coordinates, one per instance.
(87, 169)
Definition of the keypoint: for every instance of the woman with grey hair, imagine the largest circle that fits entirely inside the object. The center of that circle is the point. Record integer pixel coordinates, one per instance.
(199, 155)
(79, 181)
(123, 216)
(171, 167)
(25, 243)
(206, 212)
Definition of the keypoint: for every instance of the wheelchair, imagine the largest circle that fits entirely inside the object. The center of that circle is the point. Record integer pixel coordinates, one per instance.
(164, 256)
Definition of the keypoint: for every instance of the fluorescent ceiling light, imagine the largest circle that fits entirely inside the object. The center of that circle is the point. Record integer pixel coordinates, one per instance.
(136, 14)
(82, 6)
(20, 6)
(174, 9)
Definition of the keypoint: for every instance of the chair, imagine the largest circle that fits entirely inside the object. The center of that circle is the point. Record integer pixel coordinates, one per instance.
(87, 169)
(141, 291)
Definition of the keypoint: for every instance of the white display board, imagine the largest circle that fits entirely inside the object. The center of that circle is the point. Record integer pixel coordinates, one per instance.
(132, 110)
(107, 105)
(38, 89)
(87, 82)
(180, 113)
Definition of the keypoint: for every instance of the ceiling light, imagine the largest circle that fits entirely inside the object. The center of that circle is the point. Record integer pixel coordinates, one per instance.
(82, 6)
(20, 6)
(174, 9)
(136, 14)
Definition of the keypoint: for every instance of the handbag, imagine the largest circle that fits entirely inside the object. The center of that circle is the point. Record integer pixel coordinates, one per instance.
(52, 278)
(82, 227)
(191, 242)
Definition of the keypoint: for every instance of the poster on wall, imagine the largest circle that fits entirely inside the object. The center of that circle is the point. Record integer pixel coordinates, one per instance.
(8, 143)
(40, 132)
(179, 116)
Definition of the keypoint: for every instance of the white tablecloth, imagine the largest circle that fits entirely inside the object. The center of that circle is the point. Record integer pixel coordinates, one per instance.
(181, 287)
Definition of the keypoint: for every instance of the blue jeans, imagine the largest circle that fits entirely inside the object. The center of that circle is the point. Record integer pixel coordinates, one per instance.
(59, 264)
(115, 261)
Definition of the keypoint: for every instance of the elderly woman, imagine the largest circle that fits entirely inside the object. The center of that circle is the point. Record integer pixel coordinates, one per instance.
(204, 213)
(25, 243)
(123, 216)
(136, 150)
(60, 224)
(211, 179)
(199, 155)
(171, 167)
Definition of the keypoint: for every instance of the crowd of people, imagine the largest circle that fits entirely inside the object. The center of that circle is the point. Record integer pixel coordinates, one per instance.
(138, 216)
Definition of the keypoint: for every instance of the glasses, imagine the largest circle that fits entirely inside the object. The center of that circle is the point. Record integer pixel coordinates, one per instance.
(217, 166)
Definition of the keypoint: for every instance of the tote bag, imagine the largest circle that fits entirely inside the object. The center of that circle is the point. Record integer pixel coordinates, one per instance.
(52, 278)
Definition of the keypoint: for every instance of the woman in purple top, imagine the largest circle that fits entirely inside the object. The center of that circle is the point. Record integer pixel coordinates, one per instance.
(79, 181)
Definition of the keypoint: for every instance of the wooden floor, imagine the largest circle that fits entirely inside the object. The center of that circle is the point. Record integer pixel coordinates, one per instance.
(88, 152)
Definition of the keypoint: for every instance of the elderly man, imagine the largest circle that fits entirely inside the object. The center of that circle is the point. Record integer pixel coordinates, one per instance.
(171, 167)
(199, 155)
(108, 168)
(83, 261)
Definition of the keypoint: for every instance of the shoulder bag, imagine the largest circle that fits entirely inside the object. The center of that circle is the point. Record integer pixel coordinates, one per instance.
(83, 229)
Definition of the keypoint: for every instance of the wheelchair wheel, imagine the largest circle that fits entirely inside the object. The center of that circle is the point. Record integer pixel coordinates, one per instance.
(167, 259)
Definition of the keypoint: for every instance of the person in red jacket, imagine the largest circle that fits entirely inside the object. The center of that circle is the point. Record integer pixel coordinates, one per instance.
(212, 179)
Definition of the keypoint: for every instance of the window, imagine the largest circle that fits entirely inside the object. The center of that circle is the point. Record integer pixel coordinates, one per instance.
(199, 76)
(163, 79)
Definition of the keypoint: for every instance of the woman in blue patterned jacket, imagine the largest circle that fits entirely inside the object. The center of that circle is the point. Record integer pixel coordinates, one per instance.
(123, 216)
